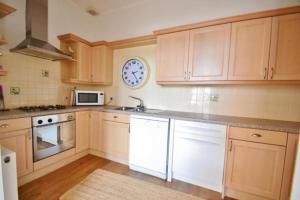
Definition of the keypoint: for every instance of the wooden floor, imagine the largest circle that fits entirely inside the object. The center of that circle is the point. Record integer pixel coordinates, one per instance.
(53, 185)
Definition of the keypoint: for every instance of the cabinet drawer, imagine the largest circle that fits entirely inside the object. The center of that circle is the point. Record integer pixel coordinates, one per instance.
(14, 124)
(116, 117)
(261, 136)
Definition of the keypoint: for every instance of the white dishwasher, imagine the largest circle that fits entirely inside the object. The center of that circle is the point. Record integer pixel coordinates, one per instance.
(197, 153)
(148, 149)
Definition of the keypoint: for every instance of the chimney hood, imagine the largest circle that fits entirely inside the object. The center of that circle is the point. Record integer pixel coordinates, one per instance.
(36, 41)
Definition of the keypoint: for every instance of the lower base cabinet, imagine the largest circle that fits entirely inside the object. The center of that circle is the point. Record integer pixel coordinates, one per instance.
(82, 131)
(255, 168)
(115, 139)
(259, 164)
(21, 143)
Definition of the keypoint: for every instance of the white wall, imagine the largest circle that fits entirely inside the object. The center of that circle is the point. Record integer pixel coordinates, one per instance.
(150, 15)
(63, 17)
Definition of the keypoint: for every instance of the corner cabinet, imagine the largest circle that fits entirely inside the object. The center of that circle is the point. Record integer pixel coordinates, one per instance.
(91, 65)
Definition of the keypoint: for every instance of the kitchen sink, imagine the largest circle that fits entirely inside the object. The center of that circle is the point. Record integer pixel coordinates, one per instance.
(125, 108)
(135, 109)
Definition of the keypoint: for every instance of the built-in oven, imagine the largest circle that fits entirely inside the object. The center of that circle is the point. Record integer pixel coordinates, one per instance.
(52, 134)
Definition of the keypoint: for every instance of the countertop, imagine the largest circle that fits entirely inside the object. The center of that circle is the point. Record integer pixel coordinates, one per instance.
(272, 125)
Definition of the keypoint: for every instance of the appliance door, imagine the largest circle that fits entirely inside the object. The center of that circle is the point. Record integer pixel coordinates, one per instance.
(199, 154)
(52, 139)
(149, 145)
(9, 175)
(88, 98)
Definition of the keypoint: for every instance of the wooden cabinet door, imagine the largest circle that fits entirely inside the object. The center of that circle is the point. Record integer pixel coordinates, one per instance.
(255, 168)
(285, 48)
(84, 62)
(249, 50)
(82, 130)
(172, 56)
(209, 53)
(101, 65)
(95, 130)
(21, 143)
(115, 139)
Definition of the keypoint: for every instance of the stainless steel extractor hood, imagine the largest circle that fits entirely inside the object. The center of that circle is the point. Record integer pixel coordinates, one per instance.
(36, 41)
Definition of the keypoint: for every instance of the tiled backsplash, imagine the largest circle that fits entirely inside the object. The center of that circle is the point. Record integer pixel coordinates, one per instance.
(26, 73)
(280, 102)
(263, 101)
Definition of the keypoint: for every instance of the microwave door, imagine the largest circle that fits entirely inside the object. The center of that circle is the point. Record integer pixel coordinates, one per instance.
(84, 98)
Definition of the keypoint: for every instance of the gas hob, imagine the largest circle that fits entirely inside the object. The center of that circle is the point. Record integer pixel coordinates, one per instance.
(41, 108)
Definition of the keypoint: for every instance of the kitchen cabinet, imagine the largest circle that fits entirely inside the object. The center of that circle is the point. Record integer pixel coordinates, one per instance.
(285, 48)
(172, 56)
(197, 153)
(83, 62)
(101, 65)
(82, 131)
(209, 53)
(258, 163)
(115, 136)
(249, 49)
(91, 65)
(255, 168)
(95, 130)
(20, 141)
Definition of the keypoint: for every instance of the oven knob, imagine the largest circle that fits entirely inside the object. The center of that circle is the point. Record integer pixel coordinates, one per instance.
(40, 121)
(50, 120)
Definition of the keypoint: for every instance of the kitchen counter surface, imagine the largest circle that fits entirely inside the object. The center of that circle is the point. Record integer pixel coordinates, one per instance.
(273, 125)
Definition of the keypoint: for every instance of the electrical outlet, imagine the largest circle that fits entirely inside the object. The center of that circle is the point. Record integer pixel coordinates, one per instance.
(45, 73)
(214, 98)
(15, 90)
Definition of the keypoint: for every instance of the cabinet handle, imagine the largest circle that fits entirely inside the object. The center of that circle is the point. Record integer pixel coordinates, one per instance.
(230, 146)
(185, 75)
(4, 125)
(265, 75)
(190, 73)
(115, 117)
(256, 135)
(272, 72)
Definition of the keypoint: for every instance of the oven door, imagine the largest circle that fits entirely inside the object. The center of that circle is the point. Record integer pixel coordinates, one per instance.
(52, 139)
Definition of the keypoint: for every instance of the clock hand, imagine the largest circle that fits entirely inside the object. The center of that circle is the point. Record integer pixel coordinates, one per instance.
(134, 75)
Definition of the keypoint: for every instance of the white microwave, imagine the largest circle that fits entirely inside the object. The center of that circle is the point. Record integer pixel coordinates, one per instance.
(89, 98)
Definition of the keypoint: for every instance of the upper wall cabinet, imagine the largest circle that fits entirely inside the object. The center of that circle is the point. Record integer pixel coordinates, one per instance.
(209, 53)
(285, 48)
(172, 56)
(91, 65)
(249, 52)
(258, 48)
(101, 65)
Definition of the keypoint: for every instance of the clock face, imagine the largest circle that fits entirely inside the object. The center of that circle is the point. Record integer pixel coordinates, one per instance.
(134, 72)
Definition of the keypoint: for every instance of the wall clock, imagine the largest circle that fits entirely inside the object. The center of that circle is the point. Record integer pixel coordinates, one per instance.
(135, 72)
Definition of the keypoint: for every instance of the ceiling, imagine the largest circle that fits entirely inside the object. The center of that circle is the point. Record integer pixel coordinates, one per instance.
(107, 6)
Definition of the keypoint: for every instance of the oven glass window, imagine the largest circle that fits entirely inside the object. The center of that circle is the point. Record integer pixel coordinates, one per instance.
(53, 139)
(87, 98)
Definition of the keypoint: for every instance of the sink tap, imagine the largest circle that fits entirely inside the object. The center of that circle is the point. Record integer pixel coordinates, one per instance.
(140, 107)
